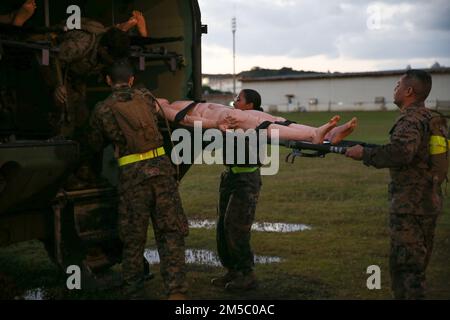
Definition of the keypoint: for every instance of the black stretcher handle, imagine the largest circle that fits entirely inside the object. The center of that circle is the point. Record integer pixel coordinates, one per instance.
(324, 148)
(8, 29)
(350, 143)
(29, 45)
(141, 41)
(340, 148)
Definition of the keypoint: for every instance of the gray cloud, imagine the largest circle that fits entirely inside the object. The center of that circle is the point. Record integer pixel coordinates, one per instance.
(304, 28)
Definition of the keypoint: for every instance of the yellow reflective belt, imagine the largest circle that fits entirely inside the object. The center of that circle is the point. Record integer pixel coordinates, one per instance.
(131, 158)
(236, 170)
(438, 145)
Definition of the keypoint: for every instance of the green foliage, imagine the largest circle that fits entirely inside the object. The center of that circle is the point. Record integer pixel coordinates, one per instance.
(208, 90)
(256, 72)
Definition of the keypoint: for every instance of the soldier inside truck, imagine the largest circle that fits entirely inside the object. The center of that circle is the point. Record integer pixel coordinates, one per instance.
(82, 55)
(78, 227)
(20, 16)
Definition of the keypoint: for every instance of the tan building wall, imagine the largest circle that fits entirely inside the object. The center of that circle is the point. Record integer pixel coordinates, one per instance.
(340, 93)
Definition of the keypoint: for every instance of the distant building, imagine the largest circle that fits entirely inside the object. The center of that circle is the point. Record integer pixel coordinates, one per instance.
(225, 99)
(221, 82)
(342, 91)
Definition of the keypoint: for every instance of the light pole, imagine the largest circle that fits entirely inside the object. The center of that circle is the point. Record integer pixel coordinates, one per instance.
(233, 29)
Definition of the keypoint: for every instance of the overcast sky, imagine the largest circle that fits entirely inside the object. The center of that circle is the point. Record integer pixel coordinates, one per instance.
(326, 35)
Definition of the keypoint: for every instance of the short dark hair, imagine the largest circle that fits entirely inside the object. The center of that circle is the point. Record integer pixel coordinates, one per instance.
(420, 81)
(120, 71)
(252, 96)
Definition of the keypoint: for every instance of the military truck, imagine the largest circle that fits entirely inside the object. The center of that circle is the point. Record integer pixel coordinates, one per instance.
(78, 227)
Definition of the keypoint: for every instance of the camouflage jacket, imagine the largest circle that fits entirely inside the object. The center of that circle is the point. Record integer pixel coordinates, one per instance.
(79, 48)
(411, 189)
(104, 130)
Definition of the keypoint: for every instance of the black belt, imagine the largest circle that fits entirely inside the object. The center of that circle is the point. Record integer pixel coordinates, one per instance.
(263, 125)
(182, 113)
(285, 123)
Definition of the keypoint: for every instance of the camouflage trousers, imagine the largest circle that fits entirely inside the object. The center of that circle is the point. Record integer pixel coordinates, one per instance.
(156, 198)
(411, 246)
(77, 128)
(236, 209)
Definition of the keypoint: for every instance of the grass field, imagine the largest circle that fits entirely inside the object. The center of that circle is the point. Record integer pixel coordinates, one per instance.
(343, 201)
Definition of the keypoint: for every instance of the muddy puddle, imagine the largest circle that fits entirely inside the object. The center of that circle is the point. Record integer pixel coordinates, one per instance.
(279, 227)
(205, 257)
(34, 294)
(202, 256)
(258, 226)
(193, 256)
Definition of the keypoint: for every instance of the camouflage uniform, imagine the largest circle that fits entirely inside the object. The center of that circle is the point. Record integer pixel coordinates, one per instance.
(147, 189)
(79, 58)
(79, 62)
(237, 205)
(414, 201)
(79, 48)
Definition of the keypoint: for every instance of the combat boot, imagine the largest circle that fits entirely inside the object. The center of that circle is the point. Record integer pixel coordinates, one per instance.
(149, 276)
(136, 295)
(243, 282)
(227, 277)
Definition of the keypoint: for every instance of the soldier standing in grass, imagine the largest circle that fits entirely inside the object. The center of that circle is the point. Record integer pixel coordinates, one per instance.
(147, 184)
(415, 192)
(239, 193)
